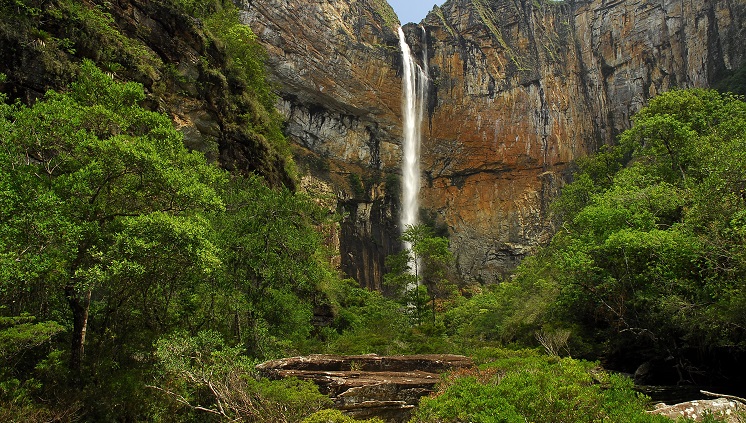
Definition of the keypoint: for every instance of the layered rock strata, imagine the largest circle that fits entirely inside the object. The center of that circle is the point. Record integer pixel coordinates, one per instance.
(336, 62)
(525, 87)
(519, 89)
(367, 386)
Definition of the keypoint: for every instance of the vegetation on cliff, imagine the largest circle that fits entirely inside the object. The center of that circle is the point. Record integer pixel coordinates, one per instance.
(189, 56)
(140, 281)
(648, 264)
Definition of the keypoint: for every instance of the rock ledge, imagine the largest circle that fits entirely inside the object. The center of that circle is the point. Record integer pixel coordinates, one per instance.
(365, 386)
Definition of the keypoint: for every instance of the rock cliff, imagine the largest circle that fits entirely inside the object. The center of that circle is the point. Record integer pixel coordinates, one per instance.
(337, 64)
(519, 89)
(525, 87)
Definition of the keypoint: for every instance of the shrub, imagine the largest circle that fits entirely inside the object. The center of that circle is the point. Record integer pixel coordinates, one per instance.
(203, 370)
(335, 416)
(525, 386)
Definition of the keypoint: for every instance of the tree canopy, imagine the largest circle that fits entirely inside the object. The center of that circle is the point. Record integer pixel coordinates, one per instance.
(113, 235)
(422, 266)
(648, 262)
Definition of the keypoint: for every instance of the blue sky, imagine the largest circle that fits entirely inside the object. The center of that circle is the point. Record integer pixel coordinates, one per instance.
(413, 10)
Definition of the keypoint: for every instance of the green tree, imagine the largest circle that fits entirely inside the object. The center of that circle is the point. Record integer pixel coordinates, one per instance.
(365, 321)
(273, 263)
(83, 171)
(649, 259)
(425, 262)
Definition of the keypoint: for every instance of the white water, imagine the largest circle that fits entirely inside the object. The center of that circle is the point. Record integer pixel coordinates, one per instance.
(414, 95)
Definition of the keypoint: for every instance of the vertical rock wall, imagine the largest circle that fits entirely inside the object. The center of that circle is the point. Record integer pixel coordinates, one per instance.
(520, 88)
(524, 87)
(337, 63)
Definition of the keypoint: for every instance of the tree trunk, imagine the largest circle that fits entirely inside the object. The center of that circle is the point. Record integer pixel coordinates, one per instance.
(433, 306)
(79, 306)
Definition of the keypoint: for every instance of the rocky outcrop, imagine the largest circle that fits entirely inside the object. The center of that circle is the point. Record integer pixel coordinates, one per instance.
(525, 87)
(367, 386)
(519, 89)
(729, 410)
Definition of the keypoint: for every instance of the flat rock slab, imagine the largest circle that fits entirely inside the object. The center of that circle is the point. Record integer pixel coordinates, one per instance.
(696, 410)
(364, 386)
(433, 363)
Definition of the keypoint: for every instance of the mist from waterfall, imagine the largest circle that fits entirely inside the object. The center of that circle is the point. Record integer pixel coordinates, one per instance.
(414, 96)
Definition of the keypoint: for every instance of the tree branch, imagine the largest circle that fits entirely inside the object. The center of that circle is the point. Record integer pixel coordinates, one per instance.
(180, 399)
(733, 397)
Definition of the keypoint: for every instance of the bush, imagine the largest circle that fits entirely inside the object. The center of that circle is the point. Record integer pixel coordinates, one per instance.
(203, 370)
(335, 416)
(524, 386)
(365, 321)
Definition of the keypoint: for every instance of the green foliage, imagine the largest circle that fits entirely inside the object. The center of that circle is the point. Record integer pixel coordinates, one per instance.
(506, 313)
(425, 262)
(203, 370)
(365, 322)
(271, 250)
(251, 111)
(20, 333)
(22, 339)
(356, 185)
(335, 416)
(734, 83)
(649, 259)
(115, 235)
(68, 28)
(228, 78)
(528, 387)
(198, 8)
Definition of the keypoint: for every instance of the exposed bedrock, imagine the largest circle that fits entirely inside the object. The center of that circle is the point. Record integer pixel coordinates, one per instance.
(519, 89)
(364, 386)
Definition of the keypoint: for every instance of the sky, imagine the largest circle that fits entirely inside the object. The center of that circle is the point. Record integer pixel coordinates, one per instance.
(412, 10)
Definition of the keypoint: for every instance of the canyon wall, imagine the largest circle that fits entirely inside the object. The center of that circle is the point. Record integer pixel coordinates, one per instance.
(337, 64)
(525, 87)
(519, 89)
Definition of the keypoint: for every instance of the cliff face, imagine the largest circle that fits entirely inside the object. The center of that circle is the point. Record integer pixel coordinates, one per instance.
(519, 89)
(524, 87)
(337, 63)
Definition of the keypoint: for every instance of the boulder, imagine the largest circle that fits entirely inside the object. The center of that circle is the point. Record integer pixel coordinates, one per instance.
(726, 408)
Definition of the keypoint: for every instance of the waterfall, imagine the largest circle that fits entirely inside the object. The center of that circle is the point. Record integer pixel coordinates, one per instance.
(414, 95)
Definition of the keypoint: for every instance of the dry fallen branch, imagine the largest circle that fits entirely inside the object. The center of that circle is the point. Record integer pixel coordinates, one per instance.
(733, 397)
(180, 399)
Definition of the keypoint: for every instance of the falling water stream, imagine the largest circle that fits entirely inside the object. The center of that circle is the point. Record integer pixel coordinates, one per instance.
(414, 95)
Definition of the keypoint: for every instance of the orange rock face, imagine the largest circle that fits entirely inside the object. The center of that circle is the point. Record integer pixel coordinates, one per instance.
(519, 89)
(523, 88)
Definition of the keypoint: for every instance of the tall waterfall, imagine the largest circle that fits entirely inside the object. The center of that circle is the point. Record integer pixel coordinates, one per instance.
(414, 96)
